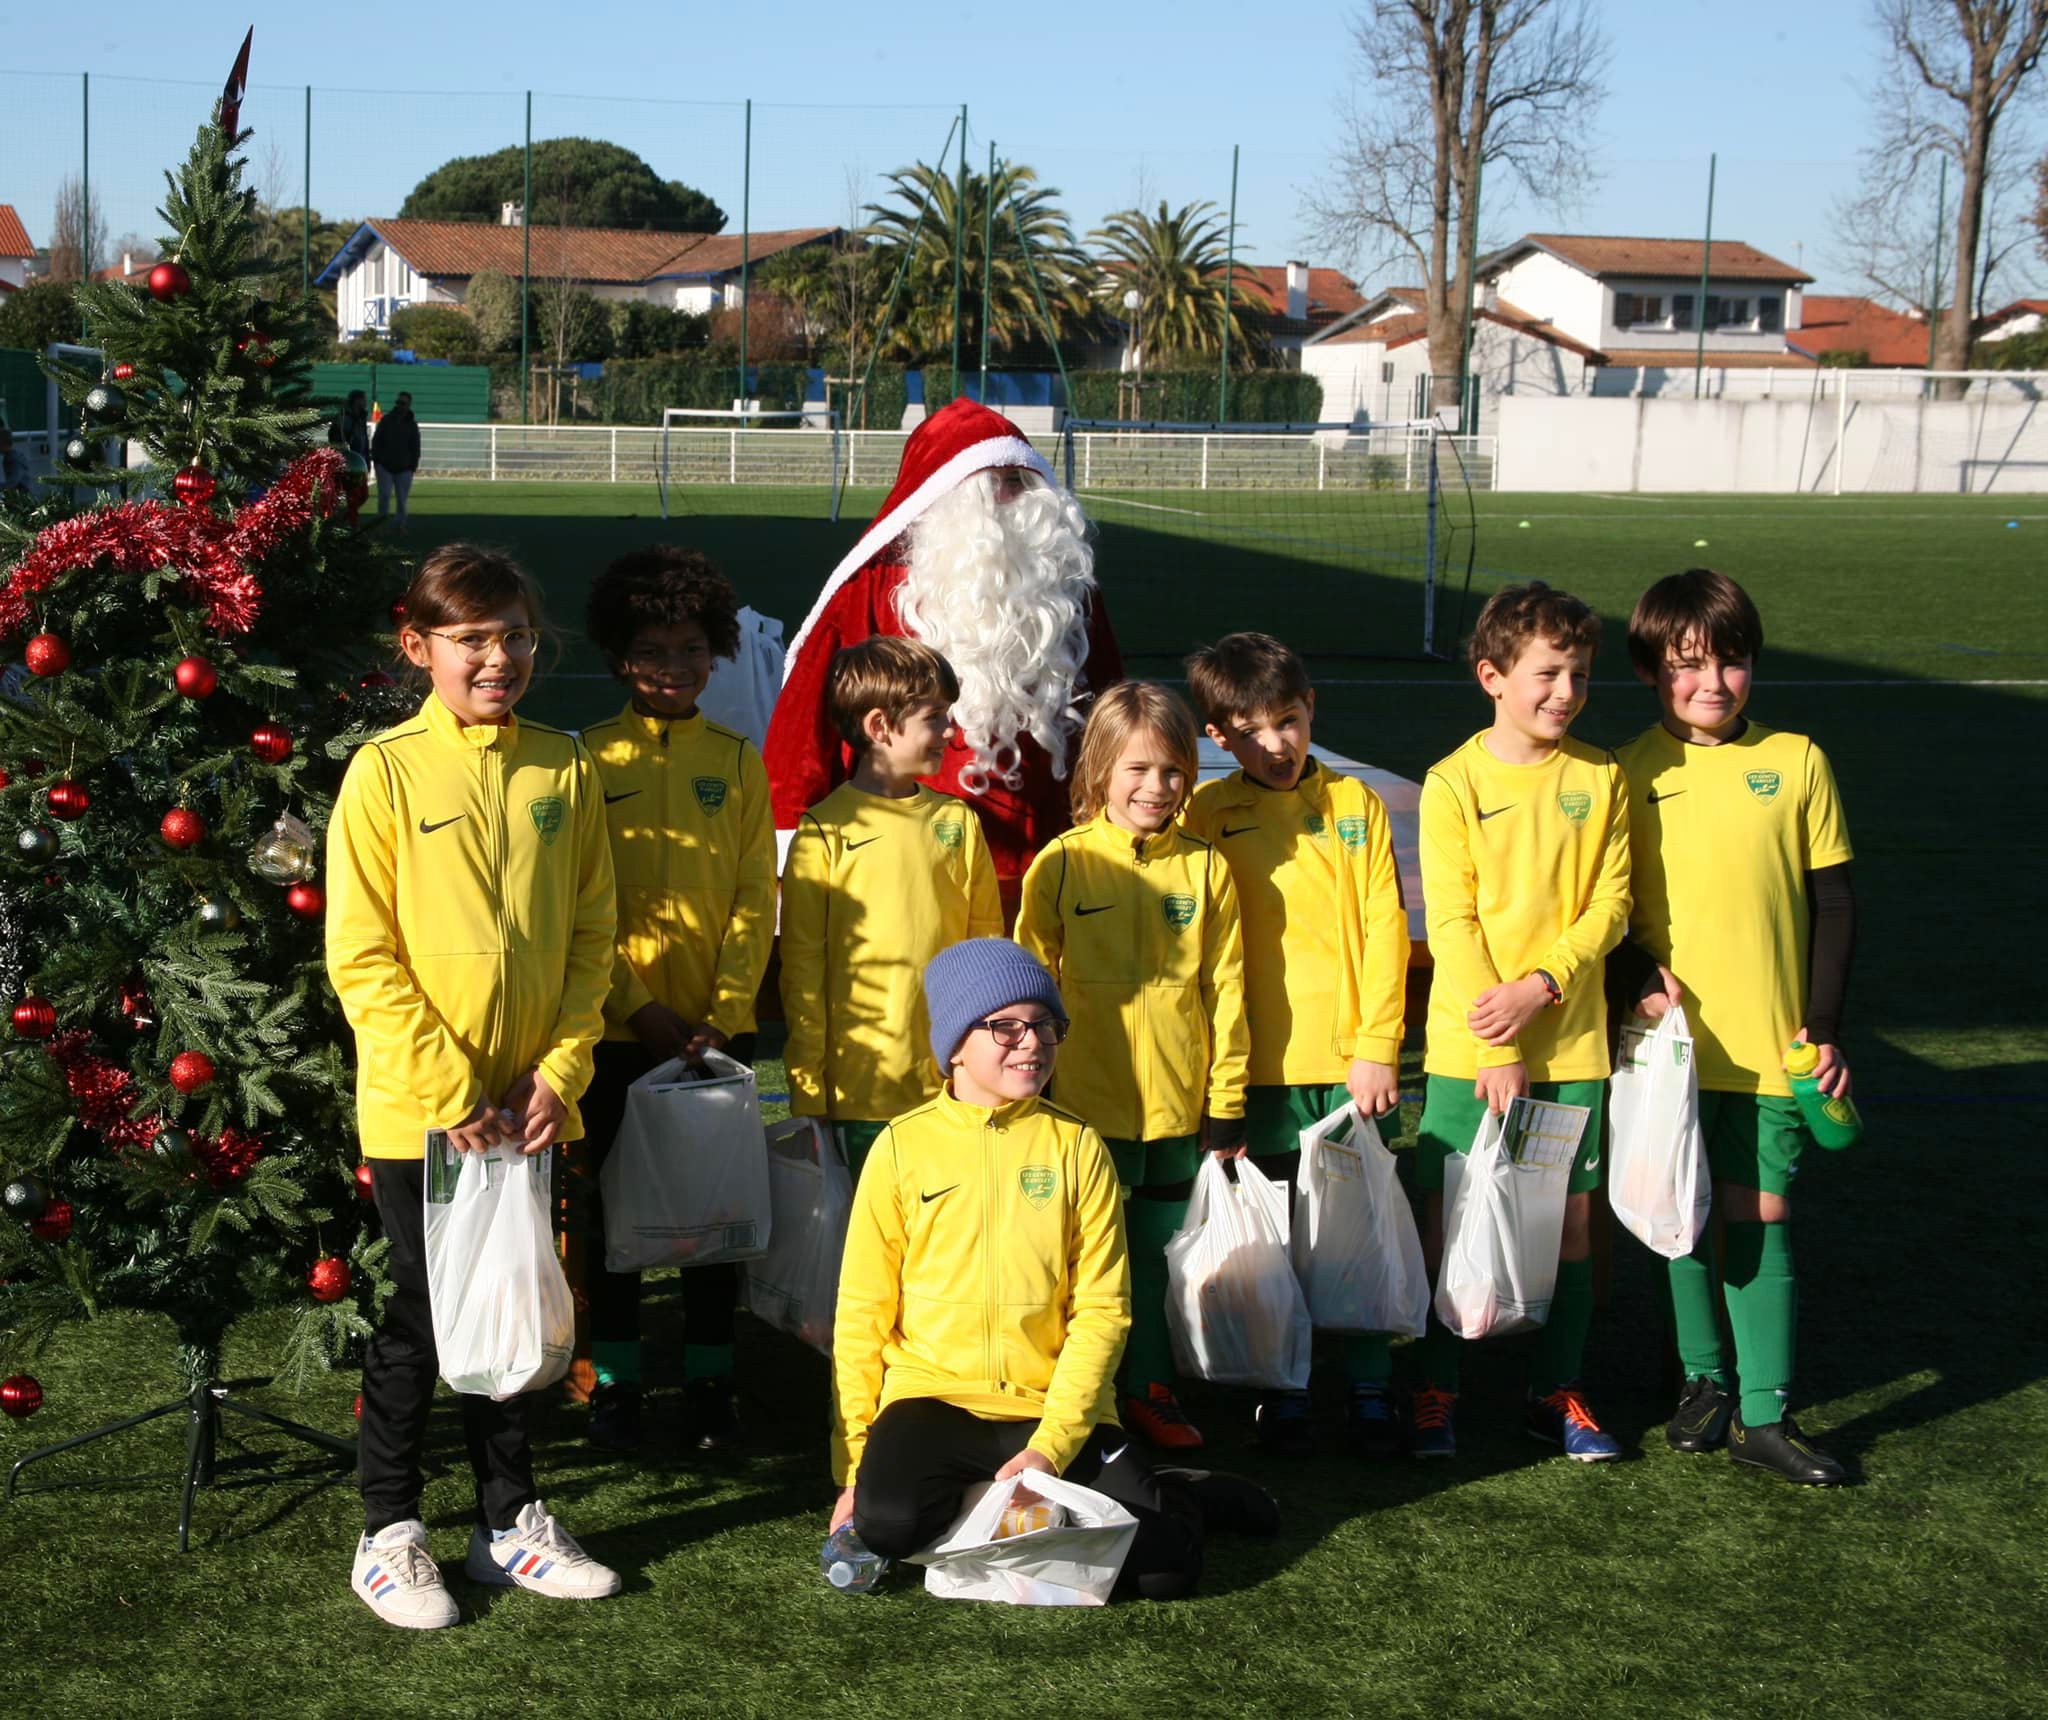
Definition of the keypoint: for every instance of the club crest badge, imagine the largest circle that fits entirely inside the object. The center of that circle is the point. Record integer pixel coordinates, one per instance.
(1576, 804)
(1179, 911)
(1764, 784)
(1351, 832)
(710, 792)
(1037, 1183)
(1314, 824)
(948, 832)
(548, 815)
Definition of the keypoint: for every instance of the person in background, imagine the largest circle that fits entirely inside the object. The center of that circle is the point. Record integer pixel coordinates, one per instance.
(395, 452)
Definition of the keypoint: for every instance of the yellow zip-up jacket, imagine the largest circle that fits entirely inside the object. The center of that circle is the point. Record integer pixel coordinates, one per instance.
(1325, 928)
(469, 920)
(1142, 934)
(872, 889)
(1524, 866)
(693, 844)
(985, 1267)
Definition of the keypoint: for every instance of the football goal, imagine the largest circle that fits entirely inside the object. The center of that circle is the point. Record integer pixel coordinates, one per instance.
(1347, 540)
(742, 460)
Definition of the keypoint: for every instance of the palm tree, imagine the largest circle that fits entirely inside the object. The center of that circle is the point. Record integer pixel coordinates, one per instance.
(921, 329)
(1177, 261)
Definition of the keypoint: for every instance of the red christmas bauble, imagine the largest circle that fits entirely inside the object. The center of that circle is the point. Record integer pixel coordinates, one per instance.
(366, 1182)
(330, 1278)
(136, 1006)
(195, 678)
(46, 654)
(168, 281)
(34, 1018)
(182, 828)
(5, 779)
(191, 1070)
(194, 485)
(55, 1224)
(272, 743)
(359, 1406)
(308, 901)
(123, 371)
(69, 799)
(398, 611)
(21, 1395)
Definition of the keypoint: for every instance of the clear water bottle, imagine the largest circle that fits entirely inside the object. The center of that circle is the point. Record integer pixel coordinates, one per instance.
(847, 1564)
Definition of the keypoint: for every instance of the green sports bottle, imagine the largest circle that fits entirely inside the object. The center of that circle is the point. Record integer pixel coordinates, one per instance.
(1834, 1123)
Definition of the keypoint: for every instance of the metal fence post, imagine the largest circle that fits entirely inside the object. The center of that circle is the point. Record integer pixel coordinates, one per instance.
(615, 454)
(494, 453)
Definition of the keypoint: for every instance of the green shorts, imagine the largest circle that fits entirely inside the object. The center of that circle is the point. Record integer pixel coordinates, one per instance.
(1452, 1113)
(1275, 1116)
(854, 1141)
(1753, 1139)
(1168, 1163)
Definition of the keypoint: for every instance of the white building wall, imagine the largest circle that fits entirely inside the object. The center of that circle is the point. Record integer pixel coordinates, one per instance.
(1552, 291)
(2027, 322)
(14, 271)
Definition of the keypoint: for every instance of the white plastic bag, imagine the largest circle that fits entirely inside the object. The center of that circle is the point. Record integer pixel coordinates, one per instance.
(504, 1320)
(686, 1183)
(1233, 1308)
(1074, 1564)
(794, 1286)
(1503, 1222)
(741, 693)
(1356, 1250)
(1657, 1177)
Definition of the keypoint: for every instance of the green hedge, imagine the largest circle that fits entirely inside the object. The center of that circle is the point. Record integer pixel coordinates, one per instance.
(1189, 396)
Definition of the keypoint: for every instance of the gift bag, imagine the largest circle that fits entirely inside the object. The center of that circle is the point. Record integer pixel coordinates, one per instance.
(1657, 1177)
(1356, 1251)
(1503, 1221)
(504, 1320)
(1072, 1564)
(1233, 1309)
(794, 1285)
(686, 1183)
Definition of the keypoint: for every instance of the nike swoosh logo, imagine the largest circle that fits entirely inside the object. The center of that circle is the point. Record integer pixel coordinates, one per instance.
(427, 829)
(1496, 812)
(1654, 796)
(862, 843)
(1238, 830)
(929, 1198)
(1114, 1455)
(1593, 1164)
(614, 799)
(1079, 910)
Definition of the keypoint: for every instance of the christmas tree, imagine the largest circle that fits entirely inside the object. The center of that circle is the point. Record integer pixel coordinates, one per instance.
(189, 662)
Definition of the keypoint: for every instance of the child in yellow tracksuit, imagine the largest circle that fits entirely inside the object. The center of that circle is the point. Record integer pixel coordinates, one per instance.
(469, 938)
(882, 874)
(1138, 919)
(983, 1298)
(1325, 955)
(693, 844)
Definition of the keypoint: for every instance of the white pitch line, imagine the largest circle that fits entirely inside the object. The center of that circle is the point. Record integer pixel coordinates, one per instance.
(1644, 501)
(1461, 682)
(1149, 507)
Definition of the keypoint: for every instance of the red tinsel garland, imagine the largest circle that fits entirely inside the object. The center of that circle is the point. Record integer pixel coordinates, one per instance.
(216, 554)
(105, 1092)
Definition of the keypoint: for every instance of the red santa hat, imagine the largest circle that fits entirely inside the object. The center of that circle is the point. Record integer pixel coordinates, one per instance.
(961, 438)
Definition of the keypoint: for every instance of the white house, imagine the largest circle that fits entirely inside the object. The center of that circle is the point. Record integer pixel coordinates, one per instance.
(1562, 314)
(17, 253)
(388, 265)
(2022, 316)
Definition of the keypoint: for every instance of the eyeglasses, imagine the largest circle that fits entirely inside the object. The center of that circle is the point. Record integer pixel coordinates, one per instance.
(519, 643)
(645, 662)
(1008, 1031)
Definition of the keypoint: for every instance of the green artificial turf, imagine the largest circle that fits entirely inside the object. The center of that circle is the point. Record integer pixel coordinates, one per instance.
(1506, 1583)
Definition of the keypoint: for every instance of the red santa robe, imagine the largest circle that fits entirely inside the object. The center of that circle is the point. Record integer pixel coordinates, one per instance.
(805, 755)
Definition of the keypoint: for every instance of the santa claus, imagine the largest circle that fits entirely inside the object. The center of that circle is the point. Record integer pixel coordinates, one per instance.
(981, 555)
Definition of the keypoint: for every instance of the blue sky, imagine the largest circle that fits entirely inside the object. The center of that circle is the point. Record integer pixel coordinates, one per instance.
(1108, 102)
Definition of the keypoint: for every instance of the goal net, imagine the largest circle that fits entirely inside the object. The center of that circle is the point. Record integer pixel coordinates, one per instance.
(1345, 540)
(746, 461)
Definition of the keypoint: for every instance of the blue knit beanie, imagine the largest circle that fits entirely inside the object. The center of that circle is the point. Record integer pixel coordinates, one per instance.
(970, 981)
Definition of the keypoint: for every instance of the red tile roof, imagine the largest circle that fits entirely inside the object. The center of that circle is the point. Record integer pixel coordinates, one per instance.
(1331, 294)
(2005, 313)
(1887, 338)
(14, 239)
(1606, 256)
(1404, 326)
(457, 250)
(114, 271)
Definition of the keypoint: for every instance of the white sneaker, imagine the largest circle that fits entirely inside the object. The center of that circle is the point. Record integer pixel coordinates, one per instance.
(539, 1554)
(398, 1580)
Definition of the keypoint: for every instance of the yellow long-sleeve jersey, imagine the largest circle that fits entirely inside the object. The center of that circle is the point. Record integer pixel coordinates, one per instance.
(872, 889)
(693, 845)
(1523, 867)
(985, 1267)
(1143, 937)
(1325, 928)
(469, 920)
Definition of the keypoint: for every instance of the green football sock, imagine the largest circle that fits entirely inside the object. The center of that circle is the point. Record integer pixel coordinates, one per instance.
(1369, 1359)
(1443, 1353)
(1763, 1309)
(616, 1361)
(1149, 1225)
(1561, 1345)
(707, 1361)
(1696, 1314)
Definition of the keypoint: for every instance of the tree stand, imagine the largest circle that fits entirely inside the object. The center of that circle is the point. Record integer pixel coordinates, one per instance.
(205, 1398)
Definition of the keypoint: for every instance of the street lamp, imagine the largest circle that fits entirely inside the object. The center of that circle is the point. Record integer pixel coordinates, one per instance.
(1135, 358)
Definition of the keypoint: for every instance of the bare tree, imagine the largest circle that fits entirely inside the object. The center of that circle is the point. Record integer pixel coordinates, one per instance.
(65, 229)
(1456, 89)
(1954, 69)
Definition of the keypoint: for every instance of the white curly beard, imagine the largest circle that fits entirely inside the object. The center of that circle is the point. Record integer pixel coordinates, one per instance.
(1001, 591)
